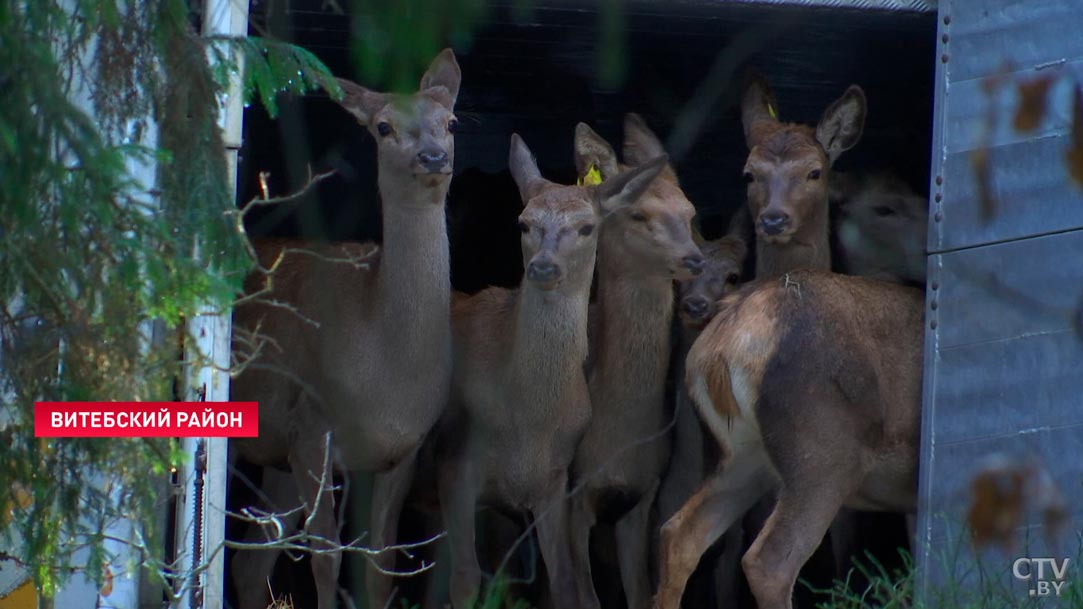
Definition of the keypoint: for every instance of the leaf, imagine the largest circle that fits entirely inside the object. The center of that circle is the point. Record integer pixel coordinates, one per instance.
(1032, 103)
(1074, 156)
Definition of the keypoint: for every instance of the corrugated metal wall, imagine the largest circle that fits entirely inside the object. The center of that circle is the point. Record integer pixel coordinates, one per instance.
(1004, 317)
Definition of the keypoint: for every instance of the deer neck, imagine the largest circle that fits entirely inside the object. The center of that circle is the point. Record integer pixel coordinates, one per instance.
(413, 286)
(634, 328)
(550, 335)
(809, 248)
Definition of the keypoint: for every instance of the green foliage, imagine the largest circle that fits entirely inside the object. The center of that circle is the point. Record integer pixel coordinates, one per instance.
(272, 67)
(887, 589)
(971, 582)
(393, 42)
(109, 239)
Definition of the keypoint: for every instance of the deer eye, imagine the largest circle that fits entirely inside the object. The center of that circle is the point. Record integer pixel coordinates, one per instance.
(883, 211)
(814, 174)
(452, 126)
(732, 278)
(524, 227)
(638, 216)
(748, 177)
(384, 129)
(586, 229)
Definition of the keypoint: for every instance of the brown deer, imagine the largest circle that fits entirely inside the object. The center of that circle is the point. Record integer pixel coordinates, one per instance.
(809, 381)
(520, 399)
(881, 227)
(376, 371)
(642, 249)
(694, 454)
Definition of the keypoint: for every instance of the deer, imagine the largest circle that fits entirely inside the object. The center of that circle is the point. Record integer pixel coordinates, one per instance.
(881, 227)
(618, 464)
(694, 454)
(809, 381)
(359, 355)
(520, 401)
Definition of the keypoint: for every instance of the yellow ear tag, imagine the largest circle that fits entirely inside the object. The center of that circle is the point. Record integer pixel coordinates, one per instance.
(593, 177)
(771, 111)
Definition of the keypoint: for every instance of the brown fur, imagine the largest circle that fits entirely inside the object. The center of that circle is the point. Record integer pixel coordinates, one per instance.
(881, 227)
(625, 449)
(520, 398)
(810, 382)
(374, 369)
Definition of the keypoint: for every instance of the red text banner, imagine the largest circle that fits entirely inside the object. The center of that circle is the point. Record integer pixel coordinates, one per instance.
(146, 419)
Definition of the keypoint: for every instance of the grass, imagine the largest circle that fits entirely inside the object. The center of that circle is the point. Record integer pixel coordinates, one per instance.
(980, 585)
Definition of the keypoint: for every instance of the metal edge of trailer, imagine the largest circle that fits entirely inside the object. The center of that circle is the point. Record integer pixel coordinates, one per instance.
(922, 532)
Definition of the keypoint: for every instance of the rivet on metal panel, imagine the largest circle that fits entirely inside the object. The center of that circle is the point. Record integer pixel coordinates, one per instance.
(944, 38)
(939, 180)
(944, 58)
(947, 19)
(932, 324)
(938, 216)
(939, 197)
(935, 285)
(933, 305)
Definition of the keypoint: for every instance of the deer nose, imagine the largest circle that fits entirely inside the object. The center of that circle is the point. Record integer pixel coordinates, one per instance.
(774, 222)
(542, 271)
(694, 263)
(695, 306)
(432, 160)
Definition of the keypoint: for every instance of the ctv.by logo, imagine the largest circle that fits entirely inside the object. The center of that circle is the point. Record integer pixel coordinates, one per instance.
(1033, 570)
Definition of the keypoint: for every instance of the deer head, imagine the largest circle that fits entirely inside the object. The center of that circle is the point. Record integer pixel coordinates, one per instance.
(882, 228)
(414, 133)
(654, 235)
(788, 165)
(559, 222)
(699, 296)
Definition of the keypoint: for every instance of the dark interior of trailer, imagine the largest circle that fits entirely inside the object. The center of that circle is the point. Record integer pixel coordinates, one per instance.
(538, 76)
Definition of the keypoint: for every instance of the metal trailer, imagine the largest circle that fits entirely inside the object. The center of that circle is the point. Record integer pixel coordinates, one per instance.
(1004, 316)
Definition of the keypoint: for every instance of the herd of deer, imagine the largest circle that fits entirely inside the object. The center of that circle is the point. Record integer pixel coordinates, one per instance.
(539, 400)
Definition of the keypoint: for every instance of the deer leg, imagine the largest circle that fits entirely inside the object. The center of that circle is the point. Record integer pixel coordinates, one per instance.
(458, 496)
(632, 540)
(311, 464)
(718, 503)
(582, 521)
(251, 570)
(389, 491)
(551, 518)
(794, 530)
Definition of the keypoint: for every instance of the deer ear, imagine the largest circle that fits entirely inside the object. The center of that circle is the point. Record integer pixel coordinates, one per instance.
(843, 121)
(444, 72)
(524, 170)
(759, 110)
(591, 150)
(359, 101)
(625, 188)
(640, 143)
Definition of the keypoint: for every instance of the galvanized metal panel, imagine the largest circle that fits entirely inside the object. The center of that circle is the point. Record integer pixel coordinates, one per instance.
(1057, 449)
(1030, 194)
(1006, 387)
(1029, 189)
(1009, 291)
(988, 35)
(978, 117)
(1004, 338)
